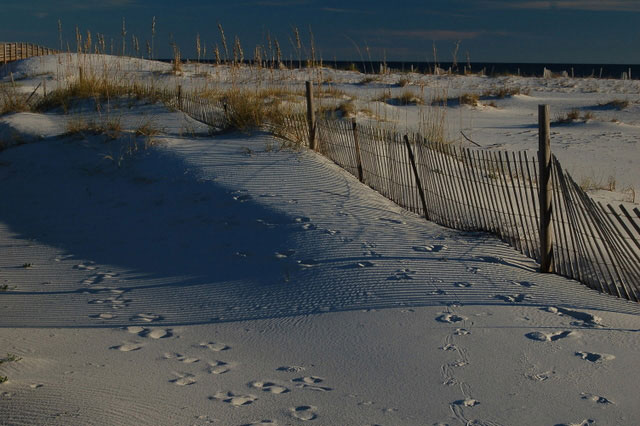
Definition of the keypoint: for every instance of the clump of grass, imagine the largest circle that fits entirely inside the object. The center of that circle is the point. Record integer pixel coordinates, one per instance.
(247, 110)
(370, 79)
(569, 117)
(618, 104)
(470, 99)
(588, 183)
(432, 124)
(347, 109)
(403, 82)
(147, 128)
(89, 87)
(505, 91)
(382, 97)
(409, 98)
(588, 115)
(631, 193)
(12, 100)
(110, 127)
(10, 358)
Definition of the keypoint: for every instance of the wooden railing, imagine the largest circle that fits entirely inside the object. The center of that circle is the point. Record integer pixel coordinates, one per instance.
(10, 52)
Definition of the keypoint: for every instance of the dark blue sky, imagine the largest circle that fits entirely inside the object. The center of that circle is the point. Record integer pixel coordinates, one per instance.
(563, 31)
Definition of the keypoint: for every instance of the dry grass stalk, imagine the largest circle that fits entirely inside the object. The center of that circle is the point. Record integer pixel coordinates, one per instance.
(224, 43)
(153, 36)
(124, 35)
(618, 104)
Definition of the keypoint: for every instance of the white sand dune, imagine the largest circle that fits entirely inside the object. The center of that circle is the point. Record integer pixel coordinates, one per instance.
(214, 280)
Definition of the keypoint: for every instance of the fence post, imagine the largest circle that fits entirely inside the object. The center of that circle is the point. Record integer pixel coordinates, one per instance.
(357, 144)
(180, 97)
(545, 190)
(415, 174)
(311, 118)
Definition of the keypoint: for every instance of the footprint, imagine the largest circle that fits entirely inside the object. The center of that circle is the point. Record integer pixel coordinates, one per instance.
(284, 254)
(585, 422)
(461, 332)
(473, 269)
(184, 379)
(171, 355)
(450, 318)
(394, 221)
(429, 248)
(594, 357)
(304, 412)
(242, 198)
(104, 316)
(218, 367)
(311, 383)
(331, 231)
(468, 402)
(357, 265)
(595, 398)
(550, 337)
(308, 263)
(402, 274)
(62, 257)
(291, 368)
(135, 329)
(309, 226)
(270, 387)
(146, 317)
(237, 400)
(540, 377)
(516, 298)
(462, 284)
(523, 283)
(127, 347)
(583, 318)
(215, 346)
(85, 266)
(157, 333)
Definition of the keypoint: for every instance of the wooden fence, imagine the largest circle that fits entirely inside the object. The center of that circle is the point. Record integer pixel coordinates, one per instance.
(491, 191)
(468, 189)
(10, 52)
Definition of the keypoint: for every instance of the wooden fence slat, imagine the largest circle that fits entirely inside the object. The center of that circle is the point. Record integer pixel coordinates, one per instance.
(479, 175)
(594, 247)
(589, 278)
(625, 227)
(560, 222)
(515, 189)
(465, 185)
